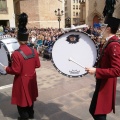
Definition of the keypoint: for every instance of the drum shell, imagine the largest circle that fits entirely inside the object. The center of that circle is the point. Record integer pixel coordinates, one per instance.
(8, 45)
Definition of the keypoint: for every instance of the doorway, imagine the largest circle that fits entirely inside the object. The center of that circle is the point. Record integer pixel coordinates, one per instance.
(4, 22)
(96, 21)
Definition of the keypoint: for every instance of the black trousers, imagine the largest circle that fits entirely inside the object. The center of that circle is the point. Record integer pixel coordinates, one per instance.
(99, 117)
(26, 112)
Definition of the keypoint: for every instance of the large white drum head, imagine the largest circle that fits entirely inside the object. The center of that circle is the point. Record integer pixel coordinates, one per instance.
(8, 45)
(83, 51)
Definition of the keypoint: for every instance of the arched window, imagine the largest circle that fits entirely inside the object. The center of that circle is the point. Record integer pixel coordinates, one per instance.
(3, 5)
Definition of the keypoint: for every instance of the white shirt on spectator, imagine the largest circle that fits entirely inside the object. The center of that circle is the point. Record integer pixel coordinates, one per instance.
(33, 39)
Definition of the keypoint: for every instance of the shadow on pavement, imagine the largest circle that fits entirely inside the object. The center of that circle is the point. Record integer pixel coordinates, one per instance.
(49, 111)
(52, 111)
(6, 79)
(117, 98)
(7, 109)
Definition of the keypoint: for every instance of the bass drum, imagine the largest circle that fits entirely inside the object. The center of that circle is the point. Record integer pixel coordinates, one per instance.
(78, 46)
(7, 46)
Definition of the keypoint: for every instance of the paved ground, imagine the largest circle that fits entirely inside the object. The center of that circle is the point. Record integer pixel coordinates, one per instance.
(60, 98)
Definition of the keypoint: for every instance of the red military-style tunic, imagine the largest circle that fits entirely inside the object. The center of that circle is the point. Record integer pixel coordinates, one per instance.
(24, 91)
(110, 64)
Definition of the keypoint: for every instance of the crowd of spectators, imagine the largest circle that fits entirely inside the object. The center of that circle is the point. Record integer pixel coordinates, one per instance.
(43, 39)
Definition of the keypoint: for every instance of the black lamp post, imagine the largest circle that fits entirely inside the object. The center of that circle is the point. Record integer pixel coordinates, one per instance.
(59, 14)
(68, 24)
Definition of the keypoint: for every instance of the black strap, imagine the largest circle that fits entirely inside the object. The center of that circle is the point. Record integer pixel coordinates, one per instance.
(26, 57)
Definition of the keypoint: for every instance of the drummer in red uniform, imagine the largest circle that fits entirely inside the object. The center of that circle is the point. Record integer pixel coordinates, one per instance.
(103, 101)
(24, 62)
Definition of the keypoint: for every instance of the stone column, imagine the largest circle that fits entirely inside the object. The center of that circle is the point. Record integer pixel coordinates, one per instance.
(87, 8)
(82, 5)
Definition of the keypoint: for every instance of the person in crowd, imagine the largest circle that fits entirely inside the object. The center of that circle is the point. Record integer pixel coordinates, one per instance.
(1, 28)
(47, 45)
(33, 38)
(50, 46)
(106, 73)
(95, 32)
(24, 62)
(52, 41)
(89, 30)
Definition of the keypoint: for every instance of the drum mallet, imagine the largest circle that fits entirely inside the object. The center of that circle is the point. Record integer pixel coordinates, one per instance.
(1, 64)
(71, 59)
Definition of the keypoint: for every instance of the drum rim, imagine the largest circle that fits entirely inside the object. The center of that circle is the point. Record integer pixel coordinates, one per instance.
(8, 55)
(97, 48)
(67, 74)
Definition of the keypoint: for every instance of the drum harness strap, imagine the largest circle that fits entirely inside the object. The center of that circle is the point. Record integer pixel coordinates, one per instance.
(102, 53)
(26, 57)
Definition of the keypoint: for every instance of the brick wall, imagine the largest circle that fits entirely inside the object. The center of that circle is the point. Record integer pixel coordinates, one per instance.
(41, 12)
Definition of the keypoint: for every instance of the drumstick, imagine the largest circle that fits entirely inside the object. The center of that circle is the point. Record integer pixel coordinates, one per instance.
(1, 64)
(71, 59)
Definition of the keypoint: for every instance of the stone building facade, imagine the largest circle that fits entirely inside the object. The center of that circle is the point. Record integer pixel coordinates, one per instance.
(72, 12)
(90, 11)
(117, 10)
(94, 9)
(41, 12)
(7, 16)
